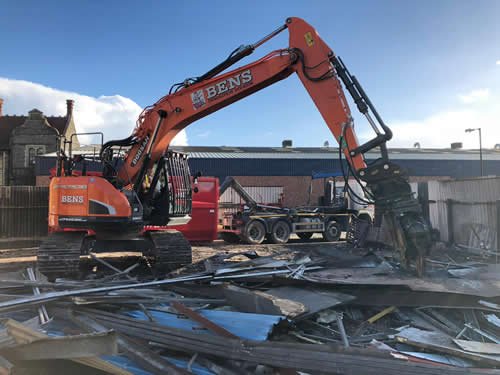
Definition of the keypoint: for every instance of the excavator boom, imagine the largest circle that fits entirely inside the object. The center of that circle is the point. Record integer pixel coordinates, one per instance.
(307, 55)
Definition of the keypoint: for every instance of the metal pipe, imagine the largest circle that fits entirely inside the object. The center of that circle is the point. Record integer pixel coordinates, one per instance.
(372, 123)
(42, 311)
(45, 297)
(470, 130)
(269, 36)
(480, 151)
(340, 325)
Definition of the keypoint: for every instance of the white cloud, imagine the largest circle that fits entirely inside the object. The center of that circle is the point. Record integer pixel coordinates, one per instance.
(498, 62)
(441, 129)
(475, 96)
(114, 115)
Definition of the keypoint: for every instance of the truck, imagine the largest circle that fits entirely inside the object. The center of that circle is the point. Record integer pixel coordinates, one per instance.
(256, 222)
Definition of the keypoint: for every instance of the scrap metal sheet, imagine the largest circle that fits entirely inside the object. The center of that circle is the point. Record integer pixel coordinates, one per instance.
(353, 276)
(443, 344)
(315, 299)
(248, 326)
(479, 347)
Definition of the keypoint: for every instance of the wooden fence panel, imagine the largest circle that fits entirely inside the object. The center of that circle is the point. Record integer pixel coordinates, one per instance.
(23, 211)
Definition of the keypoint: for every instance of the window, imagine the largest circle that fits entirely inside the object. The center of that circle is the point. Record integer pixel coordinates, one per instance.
(31, 152)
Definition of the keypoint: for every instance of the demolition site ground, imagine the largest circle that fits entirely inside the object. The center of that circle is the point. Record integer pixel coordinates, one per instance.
(300, 308)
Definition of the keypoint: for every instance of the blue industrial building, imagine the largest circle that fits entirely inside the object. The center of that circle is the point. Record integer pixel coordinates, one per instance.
(278, 161)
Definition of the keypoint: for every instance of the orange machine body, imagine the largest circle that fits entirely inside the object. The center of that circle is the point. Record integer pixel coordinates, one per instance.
(85, 199)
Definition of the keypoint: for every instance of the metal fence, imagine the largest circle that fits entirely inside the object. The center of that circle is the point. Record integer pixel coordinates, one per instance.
(466, 211)
(23, 211)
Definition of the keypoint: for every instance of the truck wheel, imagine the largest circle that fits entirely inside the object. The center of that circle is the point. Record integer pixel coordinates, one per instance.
(229, 237)
(255, 232)
(280, 233)
(332, 232)
(304, 236)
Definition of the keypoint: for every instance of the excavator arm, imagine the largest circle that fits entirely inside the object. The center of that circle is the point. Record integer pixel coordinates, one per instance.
(321, 73)
(307, 55)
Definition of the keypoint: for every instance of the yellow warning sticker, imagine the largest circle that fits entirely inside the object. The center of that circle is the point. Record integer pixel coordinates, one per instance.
(309, 38)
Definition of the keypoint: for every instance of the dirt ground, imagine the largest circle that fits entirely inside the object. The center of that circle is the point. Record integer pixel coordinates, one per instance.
(16, 259)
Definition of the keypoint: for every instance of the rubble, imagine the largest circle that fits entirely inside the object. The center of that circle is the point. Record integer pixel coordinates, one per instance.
(329, 309)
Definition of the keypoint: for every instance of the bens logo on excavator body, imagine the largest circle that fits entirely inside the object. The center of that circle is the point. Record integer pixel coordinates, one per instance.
(221, 89)
(72, 199)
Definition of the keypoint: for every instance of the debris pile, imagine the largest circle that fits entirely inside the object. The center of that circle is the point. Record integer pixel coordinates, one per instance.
(299, 311)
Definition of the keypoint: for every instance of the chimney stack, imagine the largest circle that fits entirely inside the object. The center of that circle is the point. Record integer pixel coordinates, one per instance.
(1, 102)
(69, 107)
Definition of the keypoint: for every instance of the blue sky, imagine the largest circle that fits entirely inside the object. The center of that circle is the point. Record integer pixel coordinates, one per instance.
(430, 67)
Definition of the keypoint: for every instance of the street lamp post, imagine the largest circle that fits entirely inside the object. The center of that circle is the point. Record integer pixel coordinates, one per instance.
(470, 130)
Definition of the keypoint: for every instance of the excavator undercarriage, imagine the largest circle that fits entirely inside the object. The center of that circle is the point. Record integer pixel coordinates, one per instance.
(163, 250)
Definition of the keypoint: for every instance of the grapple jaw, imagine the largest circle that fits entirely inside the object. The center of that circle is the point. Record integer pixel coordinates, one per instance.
(399, 221)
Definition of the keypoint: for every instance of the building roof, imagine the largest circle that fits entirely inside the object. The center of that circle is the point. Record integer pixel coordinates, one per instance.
(223, 152)
(227, 152)
(275, 161)
(9, 123)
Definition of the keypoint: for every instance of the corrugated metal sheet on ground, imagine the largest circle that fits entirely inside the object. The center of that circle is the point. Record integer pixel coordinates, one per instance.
(247, 326)
(261, 194)
(134, 368)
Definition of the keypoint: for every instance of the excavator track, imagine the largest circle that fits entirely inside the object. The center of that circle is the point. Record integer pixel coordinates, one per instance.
(59, 254)
(170, 251)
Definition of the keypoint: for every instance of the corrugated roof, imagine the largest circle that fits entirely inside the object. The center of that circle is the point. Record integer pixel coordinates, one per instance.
(400, 155)
(316, 153)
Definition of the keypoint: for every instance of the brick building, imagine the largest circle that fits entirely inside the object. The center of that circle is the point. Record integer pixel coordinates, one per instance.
(22, 138)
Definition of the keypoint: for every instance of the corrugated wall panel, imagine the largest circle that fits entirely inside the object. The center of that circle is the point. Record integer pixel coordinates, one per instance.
(23, 211)
(261, 194)
(473, 210)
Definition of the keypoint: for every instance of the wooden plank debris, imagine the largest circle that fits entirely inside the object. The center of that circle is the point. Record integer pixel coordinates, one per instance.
(66, 347)
(262, 303)
(26, 334)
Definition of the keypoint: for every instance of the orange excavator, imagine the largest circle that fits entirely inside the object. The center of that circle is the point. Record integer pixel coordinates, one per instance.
(145, 184)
